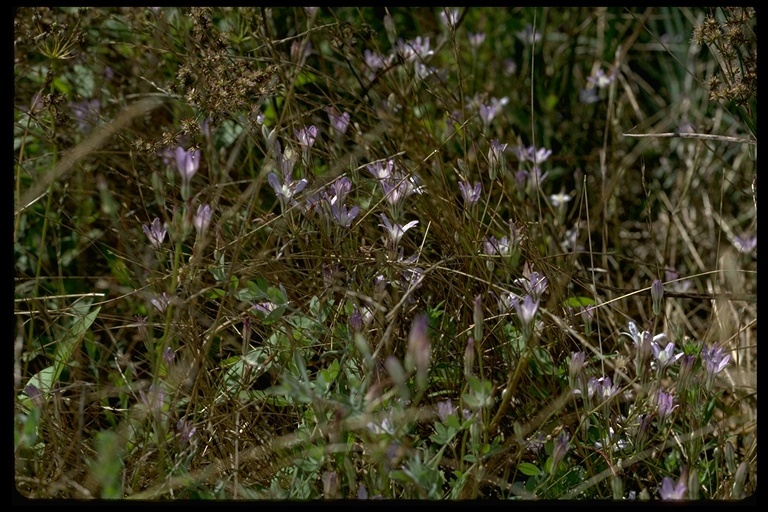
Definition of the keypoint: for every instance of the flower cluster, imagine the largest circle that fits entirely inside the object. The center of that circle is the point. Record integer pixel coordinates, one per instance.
(395, 184)
(335, 198)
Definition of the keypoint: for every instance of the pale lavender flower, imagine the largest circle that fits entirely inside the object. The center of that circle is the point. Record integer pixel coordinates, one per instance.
(642, 430)
(530, 180)
(203, 217)
(671, 491)
(155, 233)
(285, 160)
(265, 308)
(496, 159)
(422, 71)
(141, 325)
(339, 190)
(379, 171)
(671, 277)
(300, 52)
(601, 80)
(86, 112)
(643, 342)
(306, 135)
(414, 50)
(449, 17)
(745, 244)
(168, 355)
(489, 111)
(560, 449)
(168, 155)
(575, 366)
(330, 274)
(398, 186)
(34, 393)
(395, 231)
(490, 245)
(385, 426)
(715, 360)
(36, 105)
(666, 356)
(475, 40)
(379, 285)
(507, 301)
(666, 404)
(588, 95)
(526, 311)
(185, 430)
(444, 409)
(587, 314)
(532, 154)
(559, 198)
(471, 194)
(153, 399)
(410, 278)
(161, 302)
(206, 128)
(612, 440)
(343, 216)
(535, 284)
(187, 162)
(330, 485)
(356, 320)
(535, 443)
(310, 203)
(602, 389)
(374, 61)
(529, 35)
(510, 67)
(289, 188)
(339, 121)
(310, 11)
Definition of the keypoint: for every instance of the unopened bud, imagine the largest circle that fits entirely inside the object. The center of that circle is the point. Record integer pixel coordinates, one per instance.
(657, 294)
(469, 357)
(477, 317)
(417, 354)
(739, 480)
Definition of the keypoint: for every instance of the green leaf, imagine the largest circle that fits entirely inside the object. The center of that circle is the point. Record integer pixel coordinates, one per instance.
(274, 315)
(529, 469)
(575, 302)
(108, 466)
(66, 347)
(276, 295)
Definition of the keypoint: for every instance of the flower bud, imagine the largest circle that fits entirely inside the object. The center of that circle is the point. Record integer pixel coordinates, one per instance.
(477, 317)
(469, 357)
(657, 294)
(417, 354)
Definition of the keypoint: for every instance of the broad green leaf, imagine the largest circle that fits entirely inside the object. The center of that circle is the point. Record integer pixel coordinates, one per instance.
(528, 469)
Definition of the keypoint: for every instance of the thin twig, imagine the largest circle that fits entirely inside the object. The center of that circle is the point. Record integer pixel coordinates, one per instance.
(705, 136)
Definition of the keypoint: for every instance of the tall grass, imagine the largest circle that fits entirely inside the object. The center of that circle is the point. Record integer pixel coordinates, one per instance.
(294, 253)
